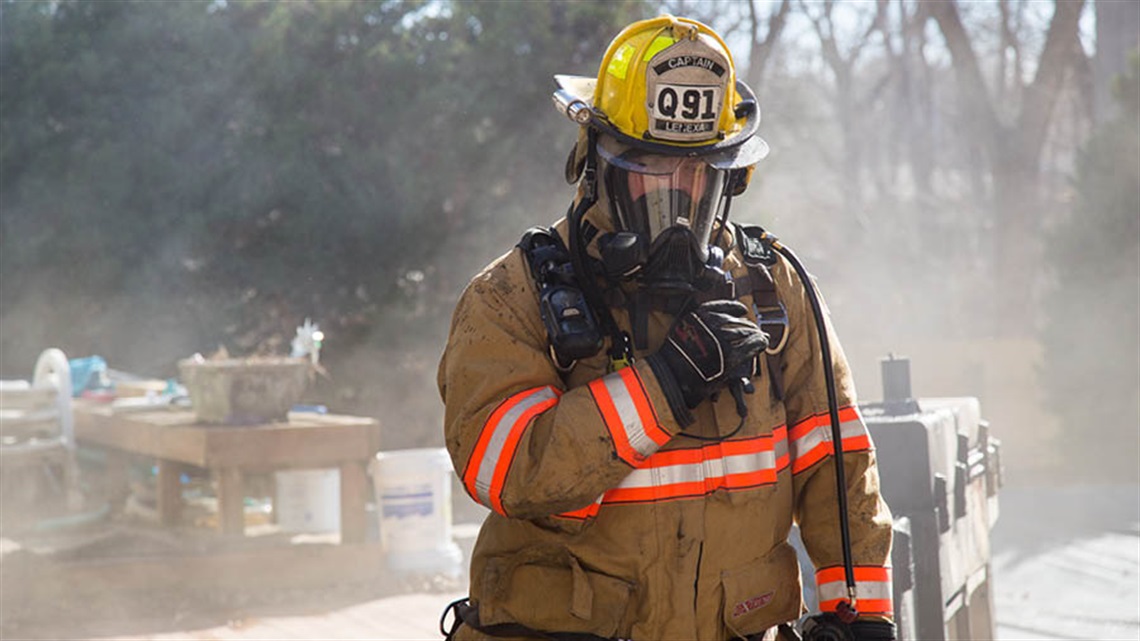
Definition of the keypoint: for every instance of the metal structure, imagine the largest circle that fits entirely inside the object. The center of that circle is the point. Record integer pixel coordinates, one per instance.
(941, 470)
(37, 438)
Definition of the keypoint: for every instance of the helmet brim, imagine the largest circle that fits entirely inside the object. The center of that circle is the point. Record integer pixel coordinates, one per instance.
(581, 87)
(748, 153)
(743, 150)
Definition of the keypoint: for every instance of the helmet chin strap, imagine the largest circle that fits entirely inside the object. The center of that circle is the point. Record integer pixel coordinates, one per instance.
(620, 352)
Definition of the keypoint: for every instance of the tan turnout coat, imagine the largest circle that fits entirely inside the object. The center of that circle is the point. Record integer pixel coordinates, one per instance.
(605, 520)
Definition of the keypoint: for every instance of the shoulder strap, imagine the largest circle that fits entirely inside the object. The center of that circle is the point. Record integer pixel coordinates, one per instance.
(574, 325)
(546, 254)
(755, 245)
(771, 314)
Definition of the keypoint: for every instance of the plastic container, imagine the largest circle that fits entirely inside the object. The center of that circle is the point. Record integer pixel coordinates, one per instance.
(233, 391)
(413, 496)
(308, 500)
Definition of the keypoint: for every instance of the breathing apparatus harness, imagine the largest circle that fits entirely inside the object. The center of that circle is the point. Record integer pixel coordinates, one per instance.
(576, 315)
(827, 626)
(575, 307)
(577, 318)
(570, 342)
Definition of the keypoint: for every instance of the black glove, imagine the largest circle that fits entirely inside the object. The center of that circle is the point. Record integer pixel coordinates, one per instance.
(704, 348)
(873, 631)
(828, 627)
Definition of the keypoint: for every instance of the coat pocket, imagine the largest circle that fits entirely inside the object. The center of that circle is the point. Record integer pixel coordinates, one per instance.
(763, 593)
(554, 595)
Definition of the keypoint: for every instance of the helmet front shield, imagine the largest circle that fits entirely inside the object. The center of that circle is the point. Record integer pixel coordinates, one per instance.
(653, 192)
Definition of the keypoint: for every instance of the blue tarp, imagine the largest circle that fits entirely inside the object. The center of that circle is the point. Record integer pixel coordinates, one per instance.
(87, 373)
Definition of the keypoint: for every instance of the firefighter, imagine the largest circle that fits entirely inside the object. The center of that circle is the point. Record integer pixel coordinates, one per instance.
(638, 395)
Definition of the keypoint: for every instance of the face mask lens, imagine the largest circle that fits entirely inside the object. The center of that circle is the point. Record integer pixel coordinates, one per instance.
(688, 196)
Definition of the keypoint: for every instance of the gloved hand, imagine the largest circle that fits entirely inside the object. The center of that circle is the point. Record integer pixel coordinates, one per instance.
(873, 630)
(828, 627)
(703, 349)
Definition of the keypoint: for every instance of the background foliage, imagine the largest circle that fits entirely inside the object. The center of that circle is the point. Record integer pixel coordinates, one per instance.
(177, 176)
(1096, 295)
(182, 175)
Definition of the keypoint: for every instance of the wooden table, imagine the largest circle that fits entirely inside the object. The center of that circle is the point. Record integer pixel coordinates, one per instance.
(176, 439)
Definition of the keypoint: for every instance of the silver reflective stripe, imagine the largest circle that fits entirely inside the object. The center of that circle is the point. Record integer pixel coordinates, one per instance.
(747, 463)
(808, 442)
(502, 429)
(863, 590)
(627, 412)
(781, 448)
(848, 429)
(699, 472)
(674, 474)
(822, 434)
(666, 475)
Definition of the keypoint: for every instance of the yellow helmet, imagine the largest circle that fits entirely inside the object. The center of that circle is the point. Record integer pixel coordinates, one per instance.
(668, 86)
(668, 136)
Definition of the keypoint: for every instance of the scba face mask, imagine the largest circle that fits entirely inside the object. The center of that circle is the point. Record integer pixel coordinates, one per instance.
(652, 192)
(665, 208)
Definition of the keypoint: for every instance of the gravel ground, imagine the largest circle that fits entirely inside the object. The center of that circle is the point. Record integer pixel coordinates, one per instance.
(1067, 563)
(1066, 566)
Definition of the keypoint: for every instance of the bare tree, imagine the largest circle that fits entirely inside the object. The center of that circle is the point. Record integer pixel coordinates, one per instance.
(1012, 145)
(848, 102)
(762, 46)
(911, 140)
(763, 31)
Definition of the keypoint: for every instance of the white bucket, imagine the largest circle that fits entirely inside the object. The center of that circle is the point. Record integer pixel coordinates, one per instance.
(413, 496)
(308, 500)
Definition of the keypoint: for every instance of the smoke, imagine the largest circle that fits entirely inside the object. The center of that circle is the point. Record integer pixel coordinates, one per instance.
(904, 252)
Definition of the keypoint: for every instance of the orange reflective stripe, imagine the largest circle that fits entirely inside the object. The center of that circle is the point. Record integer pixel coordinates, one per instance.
(695, 472)
(741, 446)
(652, 493)
(861, 572)
(510, 446)
(645, 410)
(491, 459)
(864, 606)
(857, 443)
(872, 589)
(628, 415)
(803, 428)
(477, 455)
(674, 457)
(583, 513)
(810, 439)
(813, 456)
(876, 606)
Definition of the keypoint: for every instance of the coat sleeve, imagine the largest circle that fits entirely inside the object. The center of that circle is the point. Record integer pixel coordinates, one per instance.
(523, 444)
(813, 464)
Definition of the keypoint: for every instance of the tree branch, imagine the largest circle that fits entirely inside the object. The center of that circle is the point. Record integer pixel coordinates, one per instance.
(762, 48)
(1085, 78)
(828, 47)
(1041, 94)
(966, 67)
(872, 26)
